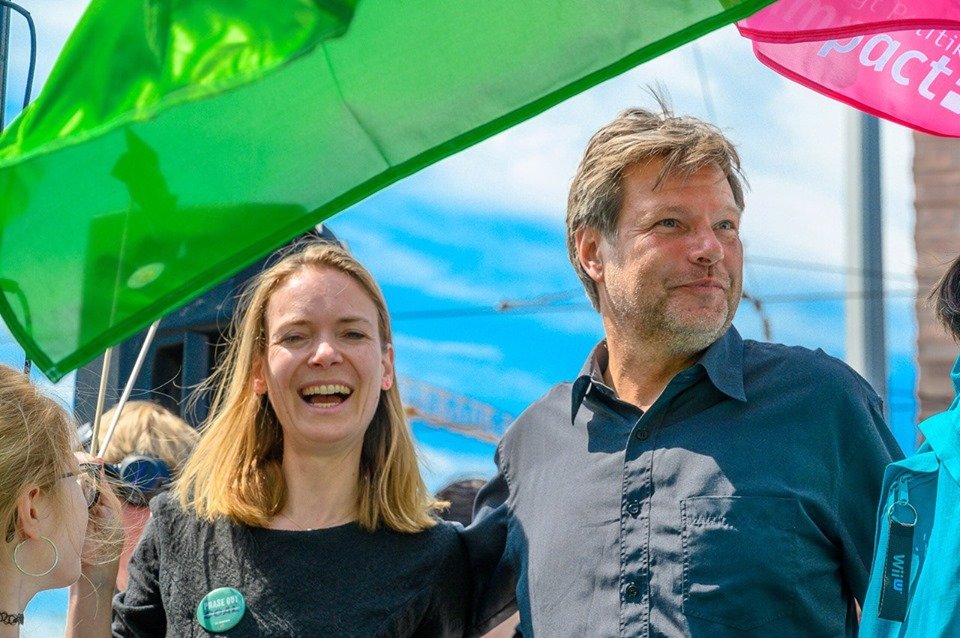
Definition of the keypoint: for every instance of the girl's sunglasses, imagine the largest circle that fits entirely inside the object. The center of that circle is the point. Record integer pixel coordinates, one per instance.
(88, 477)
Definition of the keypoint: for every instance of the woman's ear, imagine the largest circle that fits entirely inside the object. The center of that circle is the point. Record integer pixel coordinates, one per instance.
(259, 381)
(387, 380)
(30, 504)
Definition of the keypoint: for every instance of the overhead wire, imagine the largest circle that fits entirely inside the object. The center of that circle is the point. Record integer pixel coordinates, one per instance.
(835, 296)
(823, 267)
(505, 307)
(765, 325)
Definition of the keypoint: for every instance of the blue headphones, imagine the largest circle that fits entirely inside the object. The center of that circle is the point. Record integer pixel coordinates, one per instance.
(140, 478)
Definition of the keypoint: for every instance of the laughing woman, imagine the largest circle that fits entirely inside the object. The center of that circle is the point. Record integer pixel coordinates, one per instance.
(302, 511)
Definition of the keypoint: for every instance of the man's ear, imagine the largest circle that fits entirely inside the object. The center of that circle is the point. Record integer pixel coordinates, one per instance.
(587, 241)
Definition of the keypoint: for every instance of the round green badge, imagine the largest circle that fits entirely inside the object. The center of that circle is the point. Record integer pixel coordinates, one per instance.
(221, 609)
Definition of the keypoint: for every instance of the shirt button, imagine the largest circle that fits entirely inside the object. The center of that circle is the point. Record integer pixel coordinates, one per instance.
(633, 508)
(632, 591)
(642, 434)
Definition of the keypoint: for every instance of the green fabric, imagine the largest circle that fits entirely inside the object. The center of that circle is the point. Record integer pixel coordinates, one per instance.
(177, 141)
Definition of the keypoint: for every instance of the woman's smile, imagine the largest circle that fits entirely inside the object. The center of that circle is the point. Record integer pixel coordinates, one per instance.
(325, 364)
(326, 395)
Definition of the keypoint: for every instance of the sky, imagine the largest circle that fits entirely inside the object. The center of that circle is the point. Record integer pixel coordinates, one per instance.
(487, 226)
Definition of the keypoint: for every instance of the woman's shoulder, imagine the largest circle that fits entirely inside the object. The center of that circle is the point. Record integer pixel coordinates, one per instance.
(179, 534)
(448, 548)
(446, 536)
(166, 506)
(439, 543)
(170, 518)
(443, 533)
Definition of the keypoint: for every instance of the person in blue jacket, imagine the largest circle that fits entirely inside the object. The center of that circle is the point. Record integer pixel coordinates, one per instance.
(915, 581)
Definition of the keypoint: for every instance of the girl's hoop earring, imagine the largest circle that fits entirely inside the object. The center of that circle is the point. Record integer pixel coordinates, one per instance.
(56, 557)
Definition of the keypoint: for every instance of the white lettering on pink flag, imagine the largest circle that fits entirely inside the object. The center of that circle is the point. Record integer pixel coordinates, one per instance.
(897, 59)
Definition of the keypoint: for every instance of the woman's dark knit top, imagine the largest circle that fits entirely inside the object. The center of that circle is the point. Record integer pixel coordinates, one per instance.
(341, 581)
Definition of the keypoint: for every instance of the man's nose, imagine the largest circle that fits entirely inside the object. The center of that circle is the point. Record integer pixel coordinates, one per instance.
(706, 247)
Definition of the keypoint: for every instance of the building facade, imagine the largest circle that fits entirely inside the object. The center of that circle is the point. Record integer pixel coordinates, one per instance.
(936, 171)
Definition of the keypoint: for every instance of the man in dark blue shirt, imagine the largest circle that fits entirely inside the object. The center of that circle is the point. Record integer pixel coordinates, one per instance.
(688, 482)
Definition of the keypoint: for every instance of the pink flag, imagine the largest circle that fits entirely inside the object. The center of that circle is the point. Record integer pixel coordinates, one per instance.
(896, 59)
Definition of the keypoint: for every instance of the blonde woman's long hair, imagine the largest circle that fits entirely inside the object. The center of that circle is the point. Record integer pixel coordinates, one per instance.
(235, 471)
(36, 443)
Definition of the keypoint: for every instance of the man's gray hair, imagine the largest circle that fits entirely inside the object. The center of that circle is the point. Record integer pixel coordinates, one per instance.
(684, 144)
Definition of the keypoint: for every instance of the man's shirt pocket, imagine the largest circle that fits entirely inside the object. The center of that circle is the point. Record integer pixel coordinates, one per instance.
(739, 559)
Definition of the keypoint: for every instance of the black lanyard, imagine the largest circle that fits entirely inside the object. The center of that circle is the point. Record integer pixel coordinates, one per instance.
(901, 521)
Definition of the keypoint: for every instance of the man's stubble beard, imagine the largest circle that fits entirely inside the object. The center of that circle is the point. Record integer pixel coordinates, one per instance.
(661, 324)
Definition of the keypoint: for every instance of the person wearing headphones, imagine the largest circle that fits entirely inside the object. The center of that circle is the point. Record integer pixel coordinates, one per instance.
(149, 447)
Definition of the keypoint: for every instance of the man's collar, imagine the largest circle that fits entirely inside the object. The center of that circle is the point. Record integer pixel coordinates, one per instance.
(592, 372)
(723, 362)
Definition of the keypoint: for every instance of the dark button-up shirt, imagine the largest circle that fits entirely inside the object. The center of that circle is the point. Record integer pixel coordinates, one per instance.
(741, 503)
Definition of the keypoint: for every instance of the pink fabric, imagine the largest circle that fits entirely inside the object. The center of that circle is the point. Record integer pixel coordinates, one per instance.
(896, 59)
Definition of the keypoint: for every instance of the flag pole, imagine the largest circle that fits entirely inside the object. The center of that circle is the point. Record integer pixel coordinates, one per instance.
(126, 390)
(101, 396)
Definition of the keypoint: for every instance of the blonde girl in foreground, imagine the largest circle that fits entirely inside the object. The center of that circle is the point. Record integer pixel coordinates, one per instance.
(59, 522)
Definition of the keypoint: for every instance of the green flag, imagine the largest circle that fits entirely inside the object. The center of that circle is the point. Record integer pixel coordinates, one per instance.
(176, 142)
